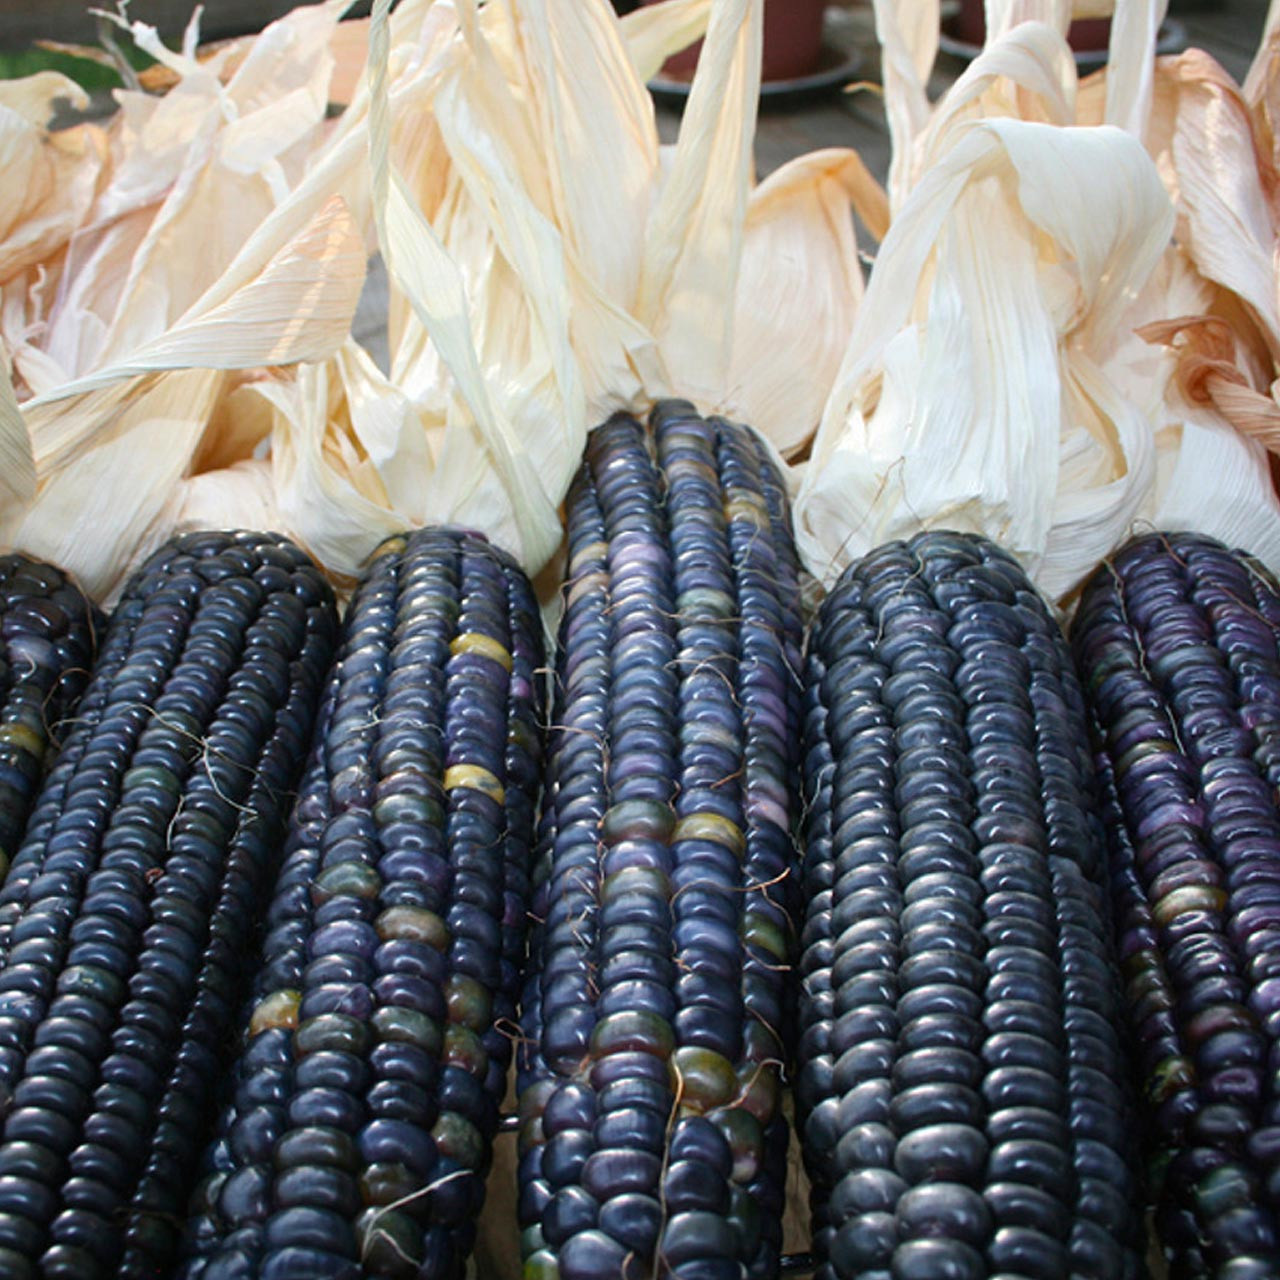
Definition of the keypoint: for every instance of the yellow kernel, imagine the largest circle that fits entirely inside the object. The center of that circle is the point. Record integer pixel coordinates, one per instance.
(747, 506)
(479, 643)
(23, 737)
(586, 554)
(1189, 897)
(584, 584)
(417, 924)
(279, 1009)
(711, 826)
(477, 778)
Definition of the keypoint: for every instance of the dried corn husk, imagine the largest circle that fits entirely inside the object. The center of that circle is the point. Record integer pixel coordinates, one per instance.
(50, 178)
(971, 396)
(549, 262)
(801, 254)
(996, 378)
(182, 263)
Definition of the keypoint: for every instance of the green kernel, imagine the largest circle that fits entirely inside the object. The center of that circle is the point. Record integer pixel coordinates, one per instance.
(633, 1029)
(416, 924)
(463, 1048)
(408, 806)
(711, 826)
(764, 934)
(331, 1031)
(541, 1266)
(468, 1001)
(410, 1026)
(390, 1242)
(346, 879)
(638, 820)
(458, 1139)
(707, 1079)
(387, 1183)
(745, 1137)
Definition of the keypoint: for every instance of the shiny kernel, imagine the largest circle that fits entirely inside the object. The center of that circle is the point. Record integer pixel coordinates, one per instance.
(279, 1009)
(1171, 1076)
(477, 778)
(541, 1265)
(711, 826)
(477, 642)
(397, 1023)
(703, 601)
(354, 879)
(745, 506)
(1222, 1189)
(707, 1079)
(637, 820)
(388, 1183)
(588, 552)
(635, 880)
(390, 1241)
(632, 1030)
(746, 1140)
(765, 934)
(1191, 897)
(416, 924)
(23, 738)
(759, 1090)
(392, 546)
(584, 584)
(463, 1048)
(468, 1001)
(458, 1139)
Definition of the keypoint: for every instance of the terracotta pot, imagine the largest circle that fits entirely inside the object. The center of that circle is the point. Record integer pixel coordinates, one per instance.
(792, 42)
(1089, 35)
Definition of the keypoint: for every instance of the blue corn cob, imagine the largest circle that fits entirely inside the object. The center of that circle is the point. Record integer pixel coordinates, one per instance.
(652, 1140)
(366, 1096)
(49, 632)
(962, 1083)
(129, 908)
(1178, 641)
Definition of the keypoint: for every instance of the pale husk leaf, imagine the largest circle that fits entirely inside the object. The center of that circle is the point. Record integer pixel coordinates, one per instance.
(50, 179)
(908, 35)
(654, 32)
(971, 394)
(693, 244)
(241, 496)
(206, 165)
(1135, 28)
(1224, 185)
(297, 306)
(17, 461)
(430, 280)
(798, 291)
(99, 512)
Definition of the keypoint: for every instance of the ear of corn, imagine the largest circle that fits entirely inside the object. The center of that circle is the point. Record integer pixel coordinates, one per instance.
(49, 632)
(961, 1080)
(367, 1093)
(129, 907)
(1177, 641)
(652, 1140)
